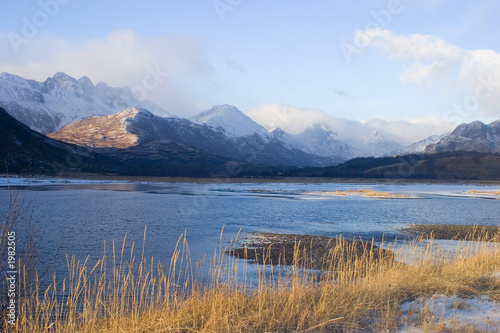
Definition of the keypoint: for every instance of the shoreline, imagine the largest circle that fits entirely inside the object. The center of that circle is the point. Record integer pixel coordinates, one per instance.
(253, 180)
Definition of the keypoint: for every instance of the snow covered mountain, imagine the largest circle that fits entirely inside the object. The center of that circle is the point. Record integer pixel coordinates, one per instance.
(59, 100)
(230, 121)
(318, 133)
(417, 147)
(323, 141)
(475, 136)
(138, 127)
(320, 139)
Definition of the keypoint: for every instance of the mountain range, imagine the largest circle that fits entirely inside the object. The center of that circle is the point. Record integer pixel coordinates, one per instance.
(115, 125)
(23, 150)
(137, 127)
(60, 100)
(47, 106)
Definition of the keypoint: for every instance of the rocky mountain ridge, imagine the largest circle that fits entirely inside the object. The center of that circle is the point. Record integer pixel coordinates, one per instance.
(59, 100)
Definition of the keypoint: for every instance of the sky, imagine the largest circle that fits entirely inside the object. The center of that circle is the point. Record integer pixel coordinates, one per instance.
(418, 61)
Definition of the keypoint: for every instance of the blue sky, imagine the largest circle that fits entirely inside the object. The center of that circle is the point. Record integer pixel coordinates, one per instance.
(411, 60)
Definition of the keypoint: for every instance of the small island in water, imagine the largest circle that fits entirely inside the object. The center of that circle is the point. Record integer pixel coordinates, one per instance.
(365, 193)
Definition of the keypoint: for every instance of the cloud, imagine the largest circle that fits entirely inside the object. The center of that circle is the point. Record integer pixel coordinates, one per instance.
(410, 130)
(120, 59)
(290, 119)
(295, 120)
(431, 60)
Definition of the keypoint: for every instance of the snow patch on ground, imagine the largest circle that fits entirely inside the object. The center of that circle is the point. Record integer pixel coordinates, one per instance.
(452, 313)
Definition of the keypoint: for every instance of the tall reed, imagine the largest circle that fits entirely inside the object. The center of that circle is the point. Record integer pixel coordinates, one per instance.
(352, 291)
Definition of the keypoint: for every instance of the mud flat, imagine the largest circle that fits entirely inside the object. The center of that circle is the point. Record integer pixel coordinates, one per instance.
(454, 232)
(316, 252)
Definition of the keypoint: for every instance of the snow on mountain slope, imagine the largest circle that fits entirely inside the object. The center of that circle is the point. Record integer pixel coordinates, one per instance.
(475, 136)
(59, 100)
(417, 147)
(231, 121)
(321, 140)
(138, 128)
(342, 137)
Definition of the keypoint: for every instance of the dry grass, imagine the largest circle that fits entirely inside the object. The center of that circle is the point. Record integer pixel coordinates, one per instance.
(495, 193)
(455, 232)
(365, 193)
(358, 291)
(313, 251)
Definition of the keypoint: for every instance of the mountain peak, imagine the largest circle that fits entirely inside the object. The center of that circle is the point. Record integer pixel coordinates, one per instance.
(231, 121)
(85, 82)
(135, 112)
(5, 75)
(224, 109)
(60, 76)
(474, 136)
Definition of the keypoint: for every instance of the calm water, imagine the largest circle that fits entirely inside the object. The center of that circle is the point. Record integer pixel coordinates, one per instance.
(78, 218)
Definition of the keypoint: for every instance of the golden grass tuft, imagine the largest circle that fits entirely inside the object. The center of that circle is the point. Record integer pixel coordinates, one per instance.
(365, 193)
(483, 192)
(119, 294)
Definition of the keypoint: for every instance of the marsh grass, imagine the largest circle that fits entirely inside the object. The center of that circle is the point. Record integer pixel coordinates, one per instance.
(455, 232)
(354, 291)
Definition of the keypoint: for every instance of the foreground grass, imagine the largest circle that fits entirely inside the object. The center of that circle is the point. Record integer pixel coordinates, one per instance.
(355, 290)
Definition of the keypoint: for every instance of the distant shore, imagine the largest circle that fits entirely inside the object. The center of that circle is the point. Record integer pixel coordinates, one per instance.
(256, 180)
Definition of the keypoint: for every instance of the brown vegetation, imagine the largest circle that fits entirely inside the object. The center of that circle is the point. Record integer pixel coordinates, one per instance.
(483, 192)
(455, 231)
(316, 251)
(365, 193)
(358, 294)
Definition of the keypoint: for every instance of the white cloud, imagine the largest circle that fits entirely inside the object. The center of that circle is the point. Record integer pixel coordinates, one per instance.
(120, 59)
(295, 120)
(290, 119)
(429, 59)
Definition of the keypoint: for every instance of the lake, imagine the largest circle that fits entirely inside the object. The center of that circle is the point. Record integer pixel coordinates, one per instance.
(77, 217)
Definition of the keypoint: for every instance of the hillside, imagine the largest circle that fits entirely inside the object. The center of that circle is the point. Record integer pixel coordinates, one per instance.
(23, 150)
(459, 165)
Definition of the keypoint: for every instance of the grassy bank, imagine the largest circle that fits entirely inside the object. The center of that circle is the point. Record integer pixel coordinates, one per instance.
(359, 287)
